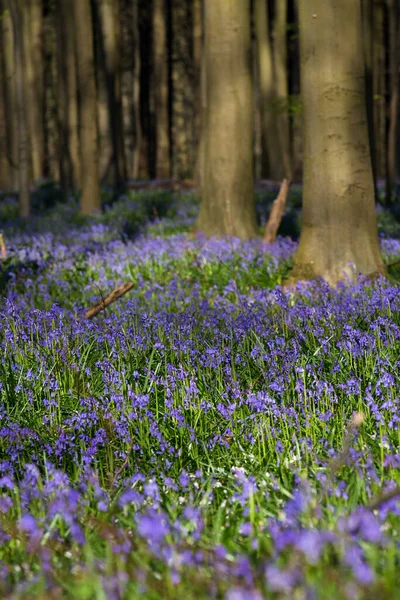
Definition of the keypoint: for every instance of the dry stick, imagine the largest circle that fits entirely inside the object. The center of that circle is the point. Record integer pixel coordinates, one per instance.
(277, 210)
(3, 247)
(114, 295)
(383, 497)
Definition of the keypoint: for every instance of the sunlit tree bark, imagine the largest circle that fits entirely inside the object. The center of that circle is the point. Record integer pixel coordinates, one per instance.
(227, 187)
(339, 220)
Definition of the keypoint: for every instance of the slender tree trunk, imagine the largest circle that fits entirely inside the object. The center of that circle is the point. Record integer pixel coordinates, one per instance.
(52, 141)
(379, 86)
(227, 190)
(197, 61)
(281, 84)
(144, 162)
(183, 97)
(110, 88)
(367, 24)
(33, 39)
(67, 99)
(394, 79)
(16, 12)
(5, 169)
(90, 199)
(339, 220)
(11, 122)
(130, 83)
(272, 162)
(137, 124)
(160, 89)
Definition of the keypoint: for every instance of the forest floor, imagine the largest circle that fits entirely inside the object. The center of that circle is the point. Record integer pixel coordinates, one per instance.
(207, 435)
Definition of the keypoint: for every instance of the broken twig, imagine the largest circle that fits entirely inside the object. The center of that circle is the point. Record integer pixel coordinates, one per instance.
(3, 247)
(277, 210)
(114, 295)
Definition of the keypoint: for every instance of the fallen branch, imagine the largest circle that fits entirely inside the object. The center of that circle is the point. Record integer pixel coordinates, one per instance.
(3, 247)
(114, 295)
(277, 210)
(384, 497)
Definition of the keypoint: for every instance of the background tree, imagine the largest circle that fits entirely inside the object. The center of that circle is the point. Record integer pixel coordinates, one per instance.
(90, 198)
(160, 89)
(67, 98)
(34, 67)
(9, 90)
(227, 187)
(18, 22)
(339, 221)
(109, 92)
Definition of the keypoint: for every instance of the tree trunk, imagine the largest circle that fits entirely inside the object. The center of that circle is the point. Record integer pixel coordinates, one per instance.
(67, 99)
(281, 84)
(183, 98)
(34, 66)
(10, 101)
(18, 23)
(227, 189)
(394, 84)
(272, 163)
(51, 80)
(379, 86)
(160, 89)
(5, 169)
(197, 62)
(110, 90)
(367, 24)
(130, 83)
(90, 199)
(339, 220)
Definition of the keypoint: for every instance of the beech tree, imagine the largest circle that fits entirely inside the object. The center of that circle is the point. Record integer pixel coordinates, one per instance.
(18, 23)
(90, 199)
(339, 221)
(160, 88)
(227, 186)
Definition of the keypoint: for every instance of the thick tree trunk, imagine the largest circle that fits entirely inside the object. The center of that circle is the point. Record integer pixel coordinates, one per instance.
(339, 221)
(272, 163)
(90, 199)
(160, 89)
(227, 190)
(281, 84)
(10, 101)
(110, 91)
(16, 12)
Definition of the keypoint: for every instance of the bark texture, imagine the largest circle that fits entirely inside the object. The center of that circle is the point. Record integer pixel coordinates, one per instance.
(90, 198)
(10, 102)
(160, 89)
(110, 91)
(15, 8)
(281, 84)
(67, 98)
(271, 161)
(339, 220)
(227, 186)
